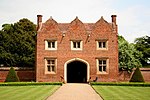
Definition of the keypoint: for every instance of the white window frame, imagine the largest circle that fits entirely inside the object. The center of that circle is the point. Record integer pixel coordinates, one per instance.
(102, 43)
(51, 43)
(98, 66)
(76, 47)
(50, 64)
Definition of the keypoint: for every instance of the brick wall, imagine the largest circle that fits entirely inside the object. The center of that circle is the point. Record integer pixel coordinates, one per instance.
(29, 75)
(125, 76)
(23, 74)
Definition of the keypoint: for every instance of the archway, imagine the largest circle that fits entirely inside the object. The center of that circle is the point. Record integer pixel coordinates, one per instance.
(80, 60)
(76, 72)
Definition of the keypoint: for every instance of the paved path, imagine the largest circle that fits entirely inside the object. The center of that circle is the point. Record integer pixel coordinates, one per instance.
(74, 91)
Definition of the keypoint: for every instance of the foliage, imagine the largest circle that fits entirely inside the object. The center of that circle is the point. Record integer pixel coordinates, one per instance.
(141, 84)
(12, 76)
(29, 83)
(143, 44)
(128, 55)
(17, 44)
(137, 76)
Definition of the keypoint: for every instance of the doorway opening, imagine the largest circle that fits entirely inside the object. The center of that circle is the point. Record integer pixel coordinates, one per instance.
(76, 72)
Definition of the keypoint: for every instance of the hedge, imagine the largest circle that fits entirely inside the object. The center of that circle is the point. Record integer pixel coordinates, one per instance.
(137, 76)
(29, 83)
(121, 84)
(12, 76)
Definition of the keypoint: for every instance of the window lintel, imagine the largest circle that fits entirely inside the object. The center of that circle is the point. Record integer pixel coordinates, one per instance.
(50, 39)
(75, 40)
(50, 57)
(101, 39)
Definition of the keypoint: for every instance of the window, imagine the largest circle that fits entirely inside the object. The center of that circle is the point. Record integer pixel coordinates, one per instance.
(50, 45)
(50, 65)
(102, 65)
(102, 45)
(76, 45)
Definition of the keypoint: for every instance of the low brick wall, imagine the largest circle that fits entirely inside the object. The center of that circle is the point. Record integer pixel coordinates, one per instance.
(125, 76)
(28, 74)
(146, 74)
(24, 74)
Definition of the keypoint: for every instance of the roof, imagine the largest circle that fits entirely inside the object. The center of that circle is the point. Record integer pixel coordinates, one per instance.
(65, 26)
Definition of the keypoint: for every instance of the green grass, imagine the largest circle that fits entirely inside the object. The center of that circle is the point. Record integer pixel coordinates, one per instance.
(27, 92)
(123, 92)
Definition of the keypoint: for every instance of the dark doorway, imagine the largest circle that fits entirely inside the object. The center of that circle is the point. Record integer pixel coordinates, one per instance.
(76, 72)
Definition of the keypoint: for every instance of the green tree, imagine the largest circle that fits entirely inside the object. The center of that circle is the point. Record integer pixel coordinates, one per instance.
(128, 55)
(137, 76)
(17, 44)
(142, 44)
(12, 76)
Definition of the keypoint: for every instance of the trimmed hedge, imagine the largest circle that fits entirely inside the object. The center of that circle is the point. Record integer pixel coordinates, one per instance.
(12, 76)
(137, 76)
(120, 84)
(29, 83)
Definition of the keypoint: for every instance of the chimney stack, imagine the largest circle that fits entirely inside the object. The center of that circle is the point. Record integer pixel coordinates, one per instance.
(39, 21)
(114, 19)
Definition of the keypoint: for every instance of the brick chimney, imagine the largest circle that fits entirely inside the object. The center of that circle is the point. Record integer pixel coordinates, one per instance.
(114, 19)
(39, 21)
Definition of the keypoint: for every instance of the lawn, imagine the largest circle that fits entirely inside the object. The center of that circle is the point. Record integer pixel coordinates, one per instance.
(27, 92)
(123, 92)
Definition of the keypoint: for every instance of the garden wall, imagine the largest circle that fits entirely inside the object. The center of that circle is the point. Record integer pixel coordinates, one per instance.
(28, 74)
(24, 74)
(125, 76)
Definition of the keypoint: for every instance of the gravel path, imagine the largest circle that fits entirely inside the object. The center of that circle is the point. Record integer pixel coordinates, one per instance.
(75, 91)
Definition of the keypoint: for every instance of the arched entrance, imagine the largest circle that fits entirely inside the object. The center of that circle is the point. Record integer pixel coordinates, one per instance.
(76, 72)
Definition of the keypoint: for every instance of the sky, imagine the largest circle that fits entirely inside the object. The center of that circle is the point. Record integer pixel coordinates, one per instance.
(133, 16)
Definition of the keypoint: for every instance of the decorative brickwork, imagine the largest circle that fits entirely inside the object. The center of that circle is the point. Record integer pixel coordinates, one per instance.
(85, 37)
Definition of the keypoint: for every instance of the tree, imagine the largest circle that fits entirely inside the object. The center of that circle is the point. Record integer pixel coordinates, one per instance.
(137, 76)
(12, 76)
(128, 55)
(17, 44)
(142, 44)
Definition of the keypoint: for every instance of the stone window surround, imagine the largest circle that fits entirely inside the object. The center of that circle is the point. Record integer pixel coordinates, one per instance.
(101, 40)
(72, 44)
(50, 40)
(107, 65)
(46, 69)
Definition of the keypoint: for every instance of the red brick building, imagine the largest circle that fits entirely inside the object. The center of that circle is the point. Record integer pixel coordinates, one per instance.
(76, 51)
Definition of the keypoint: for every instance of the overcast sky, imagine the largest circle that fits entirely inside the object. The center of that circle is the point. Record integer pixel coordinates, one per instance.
(133, 16)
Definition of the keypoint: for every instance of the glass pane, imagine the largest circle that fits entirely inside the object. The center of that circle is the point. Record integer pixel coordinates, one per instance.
(49, 44)
(100, 44)
(100, 68)
(48, 68)
(53, 68)
(104, 61)
(78, 43)
(104, 44)
(53, 44)
(48, 61)
(52, 61)
(104, 68)
(100, 62)
(74, 44)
